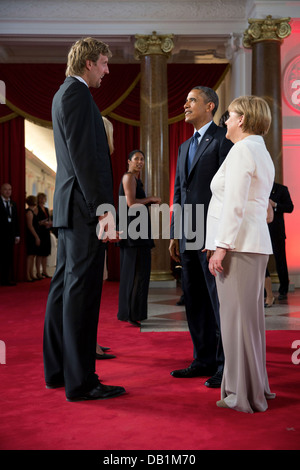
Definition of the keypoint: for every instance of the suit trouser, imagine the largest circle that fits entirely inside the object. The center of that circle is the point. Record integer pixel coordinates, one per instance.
(278, 246)
(202, 310)
(71, 321)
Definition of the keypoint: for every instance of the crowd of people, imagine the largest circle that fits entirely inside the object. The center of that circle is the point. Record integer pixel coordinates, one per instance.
(228, 170)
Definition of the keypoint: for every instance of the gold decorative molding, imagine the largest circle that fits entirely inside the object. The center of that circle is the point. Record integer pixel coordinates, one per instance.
(268, 29)
(153, 44)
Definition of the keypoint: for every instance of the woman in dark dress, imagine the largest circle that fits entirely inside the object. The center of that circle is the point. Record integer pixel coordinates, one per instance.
(45, 224)
(32, 236)
(135, 251)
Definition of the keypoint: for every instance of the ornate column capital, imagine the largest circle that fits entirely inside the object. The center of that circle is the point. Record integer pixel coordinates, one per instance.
(153, 44)
(268, 29)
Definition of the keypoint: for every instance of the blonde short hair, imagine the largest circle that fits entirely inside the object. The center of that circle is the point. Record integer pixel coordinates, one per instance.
(256, 112)
(83, 50)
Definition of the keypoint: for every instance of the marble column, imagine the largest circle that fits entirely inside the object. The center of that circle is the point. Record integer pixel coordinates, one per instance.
(264, 37)
(153, 52)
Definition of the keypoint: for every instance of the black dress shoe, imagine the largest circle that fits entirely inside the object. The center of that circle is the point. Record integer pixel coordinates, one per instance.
(101, 392)
(55, 385)
(104, 348)
(133, 322)
(282, 297)
(192, 372)
(105, 356)
(215, 381)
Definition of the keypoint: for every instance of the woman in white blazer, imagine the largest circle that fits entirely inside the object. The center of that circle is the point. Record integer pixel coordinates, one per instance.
(239, 245)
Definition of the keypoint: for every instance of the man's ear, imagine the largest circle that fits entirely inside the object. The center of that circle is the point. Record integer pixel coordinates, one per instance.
(211, 106)
(88, 64)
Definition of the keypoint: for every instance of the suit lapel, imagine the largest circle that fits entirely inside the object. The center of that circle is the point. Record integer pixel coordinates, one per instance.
(205, 142)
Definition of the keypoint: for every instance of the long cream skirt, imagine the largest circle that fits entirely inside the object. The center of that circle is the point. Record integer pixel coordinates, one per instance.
(245, 385)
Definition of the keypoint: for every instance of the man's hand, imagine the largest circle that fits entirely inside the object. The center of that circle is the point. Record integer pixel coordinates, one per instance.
(107, 228)
(174, 250)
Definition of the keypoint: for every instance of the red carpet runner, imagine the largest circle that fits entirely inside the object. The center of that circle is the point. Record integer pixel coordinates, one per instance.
(158, 412)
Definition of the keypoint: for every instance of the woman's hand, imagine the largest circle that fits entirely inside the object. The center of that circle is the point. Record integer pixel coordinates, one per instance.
(215, 261)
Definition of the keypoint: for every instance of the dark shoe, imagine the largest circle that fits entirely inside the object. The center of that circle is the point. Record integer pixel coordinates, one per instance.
(215, 381)
(105, 356)
(104, 348)
(101, 392)
(191, 372)
(282, 297)
(134, 323)
(180, 301)
(55, 385)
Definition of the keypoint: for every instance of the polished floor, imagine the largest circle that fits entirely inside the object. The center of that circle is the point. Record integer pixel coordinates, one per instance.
(165, 315)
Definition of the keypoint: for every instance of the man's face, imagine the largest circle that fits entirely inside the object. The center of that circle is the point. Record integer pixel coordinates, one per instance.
(6, 191)
(97, 70)
(196, 111)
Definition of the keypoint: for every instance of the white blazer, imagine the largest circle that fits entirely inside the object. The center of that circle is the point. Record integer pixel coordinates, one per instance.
(237, 213)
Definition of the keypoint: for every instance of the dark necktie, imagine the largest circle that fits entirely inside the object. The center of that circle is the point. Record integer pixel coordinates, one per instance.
(192, 149)
(7, 208)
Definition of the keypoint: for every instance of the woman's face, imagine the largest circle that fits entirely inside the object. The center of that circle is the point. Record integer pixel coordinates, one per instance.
(234, 126)
(137, 162)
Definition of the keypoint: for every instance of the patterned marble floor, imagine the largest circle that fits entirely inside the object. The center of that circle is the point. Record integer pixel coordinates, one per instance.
(165, 315)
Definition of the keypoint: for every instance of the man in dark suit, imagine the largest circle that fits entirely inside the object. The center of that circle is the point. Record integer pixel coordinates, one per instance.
(281, 202)
(192, 189)
(83, 182)
(9, 235)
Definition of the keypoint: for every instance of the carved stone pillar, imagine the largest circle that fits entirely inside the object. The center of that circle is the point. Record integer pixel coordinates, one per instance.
(264, 37)
(153, 52)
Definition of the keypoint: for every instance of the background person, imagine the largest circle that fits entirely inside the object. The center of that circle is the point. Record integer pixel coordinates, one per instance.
(281, 202)
(9, 235)
(238, 232)
(135, 254)
(44, 249)
(33, 240)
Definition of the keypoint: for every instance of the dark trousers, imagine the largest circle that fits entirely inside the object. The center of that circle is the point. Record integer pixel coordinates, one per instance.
(281, 265)
(71, 320)
(202, 310)
(135, 268)
(7, 244)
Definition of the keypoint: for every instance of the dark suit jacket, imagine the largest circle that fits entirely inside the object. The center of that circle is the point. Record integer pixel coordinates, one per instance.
(194, 188)
(281, 195)
(9, 230)
(83, 161)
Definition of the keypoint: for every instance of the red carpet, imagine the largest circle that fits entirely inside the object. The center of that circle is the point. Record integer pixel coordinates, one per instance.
(158, 412)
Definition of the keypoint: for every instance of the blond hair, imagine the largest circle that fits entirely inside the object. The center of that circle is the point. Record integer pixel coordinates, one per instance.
(83, 50)
(256, 112)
